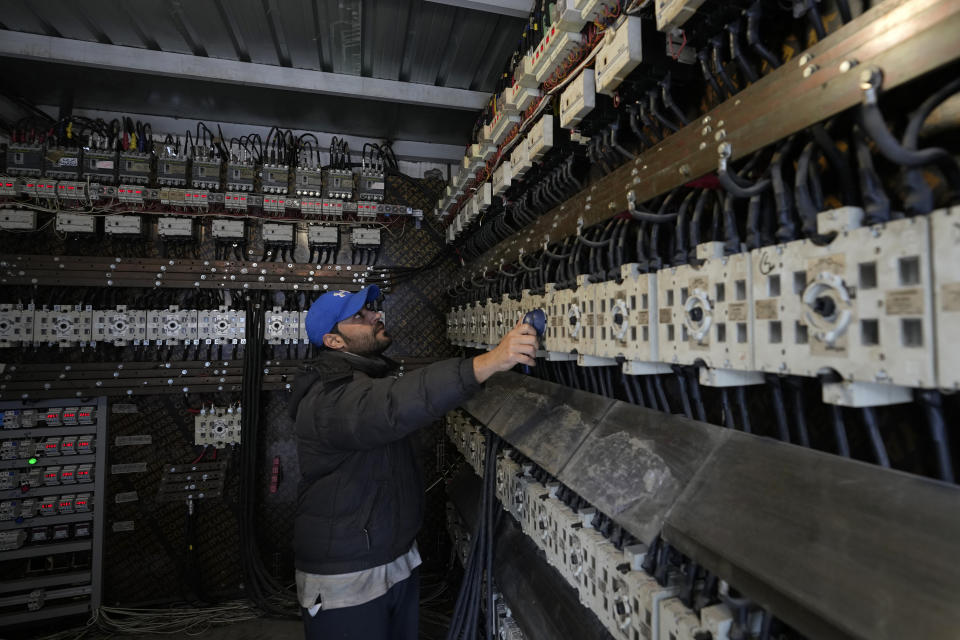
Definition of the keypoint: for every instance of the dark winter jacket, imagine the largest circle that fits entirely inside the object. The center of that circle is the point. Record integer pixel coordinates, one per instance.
(360, 499)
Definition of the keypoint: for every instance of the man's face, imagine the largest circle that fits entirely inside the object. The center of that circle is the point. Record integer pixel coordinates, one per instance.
(364, 333)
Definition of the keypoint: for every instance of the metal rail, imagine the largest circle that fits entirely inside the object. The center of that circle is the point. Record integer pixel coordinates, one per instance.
(904, 38)
(46, 270)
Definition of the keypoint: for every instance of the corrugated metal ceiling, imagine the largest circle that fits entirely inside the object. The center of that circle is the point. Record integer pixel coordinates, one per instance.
(406, 40)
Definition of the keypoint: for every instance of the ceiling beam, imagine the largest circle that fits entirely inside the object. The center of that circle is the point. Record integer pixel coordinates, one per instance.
(29, 46)
(514, 8)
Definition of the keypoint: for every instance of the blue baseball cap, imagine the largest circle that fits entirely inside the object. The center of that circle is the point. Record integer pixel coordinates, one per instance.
(334, 306)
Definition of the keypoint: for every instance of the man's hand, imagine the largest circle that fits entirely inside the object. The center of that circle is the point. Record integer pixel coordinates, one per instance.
(517, 347)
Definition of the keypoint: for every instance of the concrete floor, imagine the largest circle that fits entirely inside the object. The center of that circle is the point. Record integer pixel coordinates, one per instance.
(259, 629)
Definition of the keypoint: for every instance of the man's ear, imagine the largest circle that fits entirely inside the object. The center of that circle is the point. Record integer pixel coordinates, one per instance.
(333, 341)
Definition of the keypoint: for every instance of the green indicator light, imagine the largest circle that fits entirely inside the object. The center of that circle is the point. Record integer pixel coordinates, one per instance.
(32, 461)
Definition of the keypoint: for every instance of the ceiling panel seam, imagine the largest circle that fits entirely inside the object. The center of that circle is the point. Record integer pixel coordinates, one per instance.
(233, 31)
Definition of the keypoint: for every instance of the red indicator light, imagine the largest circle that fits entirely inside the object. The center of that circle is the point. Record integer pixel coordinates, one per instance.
(203, 195)
(84, 414)
(71, 187)
(138, 191)
(244, 198)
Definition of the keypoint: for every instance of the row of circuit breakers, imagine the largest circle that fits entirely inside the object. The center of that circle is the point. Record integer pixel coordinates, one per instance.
(879, 305)
(181, 227)
(620, 53)
(71, 193)
(71, 326)
(196, 167)
(609, 581)
(36, 456)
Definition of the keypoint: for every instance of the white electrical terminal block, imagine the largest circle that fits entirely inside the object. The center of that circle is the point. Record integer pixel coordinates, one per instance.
(172, 326)
(520, 161)
(197, 199)
(63, 325)
(18, 220)
(540, 138)
(520, 97)
(331, 207)
(228, 229)
(717, 620)
(16, 325)
(76, 223)
(279, 204)
(453, 326)
(282, 327)
(554, 47)
(9, 186)
(705, 311)
(502, 178)
(235, 201)
(72, 191)
(122, 225)
(217, 426)
(649, 593)
(627, 320)
(501, 125)
(571, 318)
(861, 305)
(365, 237)
(578, 99)
(130, 193)
(673, 14)
(590, 10)
(321, 234)
(945, 231)
(223, 326)
(483, 197)
(120, 326)
(278, 233)
(567, 15)
(177, 228)
(677, 622)
(621, 53)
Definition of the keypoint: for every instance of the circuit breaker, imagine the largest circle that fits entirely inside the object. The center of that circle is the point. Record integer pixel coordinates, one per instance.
(218, 426)
(51, 492)
(704, 311)
(861, 305)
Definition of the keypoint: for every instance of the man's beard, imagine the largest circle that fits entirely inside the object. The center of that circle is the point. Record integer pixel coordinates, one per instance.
(372, 344)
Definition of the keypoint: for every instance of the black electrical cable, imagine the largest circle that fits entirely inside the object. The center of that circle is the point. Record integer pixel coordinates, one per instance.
(725, 404)
(876, 204)
(684, 396)
(804, 201)
(872, 120)
(661, 394)
(779, 409)
(699, 409)
(876, 440)
(839, 430)
(932, 403)
(754, 14)
(795, 386)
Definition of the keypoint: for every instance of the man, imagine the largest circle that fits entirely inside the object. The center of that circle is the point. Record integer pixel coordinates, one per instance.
(361, 493)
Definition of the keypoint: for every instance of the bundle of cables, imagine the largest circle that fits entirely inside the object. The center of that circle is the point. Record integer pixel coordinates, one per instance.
(264, 591)
(466, 613)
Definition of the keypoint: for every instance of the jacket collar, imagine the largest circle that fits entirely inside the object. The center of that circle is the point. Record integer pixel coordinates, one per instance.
(333, 365)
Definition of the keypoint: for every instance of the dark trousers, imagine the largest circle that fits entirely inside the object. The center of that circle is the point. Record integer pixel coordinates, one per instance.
(393, 616)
